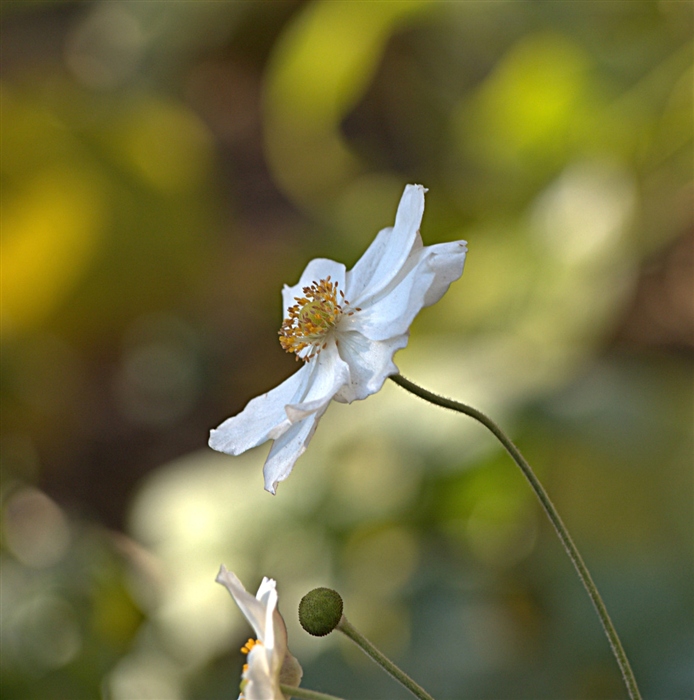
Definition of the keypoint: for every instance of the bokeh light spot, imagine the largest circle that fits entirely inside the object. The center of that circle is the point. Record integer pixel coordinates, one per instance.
(35, 529)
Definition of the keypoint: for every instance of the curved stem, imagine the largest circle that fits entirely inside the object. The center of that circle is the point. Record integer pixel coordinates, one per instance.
(550, 510)
(384, 662)
(295, 692)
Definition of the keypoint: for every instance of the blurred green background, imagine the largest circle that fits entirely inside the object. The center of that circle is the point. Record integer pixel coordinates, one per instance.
(167, 166)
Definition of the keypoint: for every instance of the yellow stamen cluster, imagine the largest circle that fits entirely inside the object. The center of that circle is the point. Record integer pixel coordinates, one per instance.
(246, 648)
(311, 318)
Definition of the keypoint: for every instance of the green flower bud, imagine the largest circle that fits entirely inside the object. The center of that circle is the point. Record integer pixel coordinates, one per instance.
(320, 611)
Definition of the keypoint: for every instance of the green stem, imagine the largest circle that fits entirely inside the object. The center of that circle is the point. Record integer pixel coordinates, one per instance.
(294, 692)
(550, 510)
(370, 650)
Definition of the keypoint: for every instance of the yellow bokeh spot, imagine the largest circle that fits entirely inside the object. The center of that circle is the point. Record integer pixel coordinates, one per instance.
(531, 103)
(51, 225)
(164, 144)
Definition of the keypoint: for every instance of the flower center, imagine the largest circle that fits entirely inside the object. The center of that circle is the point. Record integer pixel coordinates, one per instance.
(311, 319)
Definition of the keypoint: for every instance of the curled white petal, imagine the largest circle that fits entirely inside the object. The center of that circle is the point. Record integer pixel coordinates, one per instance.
(330, 374)
(427, 275)
(370, 364)
(253, 608)
(389, 251)
(447, 260)
(287, 449)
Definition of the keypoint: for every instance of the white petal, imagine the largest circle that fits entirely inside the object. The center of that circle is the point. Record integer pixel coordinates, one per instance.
(265, 591)
(447, 260)
(432, 269)
(393, 313)
(253, 609)
(291, 671)
(330, 374)
(317, 270)
(370, 363)
(267, 596)
(287, 449)
(260, 681)
(389, 251)
(263, 418)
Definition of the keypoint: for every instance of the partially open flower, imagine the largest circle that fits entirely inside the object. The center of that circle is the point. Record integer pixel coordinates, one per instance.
(269, 662)
(345, 326)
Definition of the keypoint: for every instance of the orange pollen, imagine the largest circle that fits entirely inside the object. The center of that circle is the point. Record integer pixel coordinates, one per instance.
(246, 648)
(311, 319)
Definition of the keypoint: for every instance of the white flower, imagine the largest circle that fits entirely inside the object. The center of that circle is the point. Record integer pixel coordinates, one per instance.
(269, 662)
(346, 326)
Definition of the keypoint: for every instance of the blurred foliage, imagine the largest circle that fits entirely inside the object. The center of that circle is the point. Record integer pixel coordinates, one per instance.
(167, 166)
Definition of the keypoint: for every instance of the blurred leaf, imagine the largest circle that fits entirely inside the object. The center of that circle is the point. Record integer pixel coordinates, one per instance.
(320, 68)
